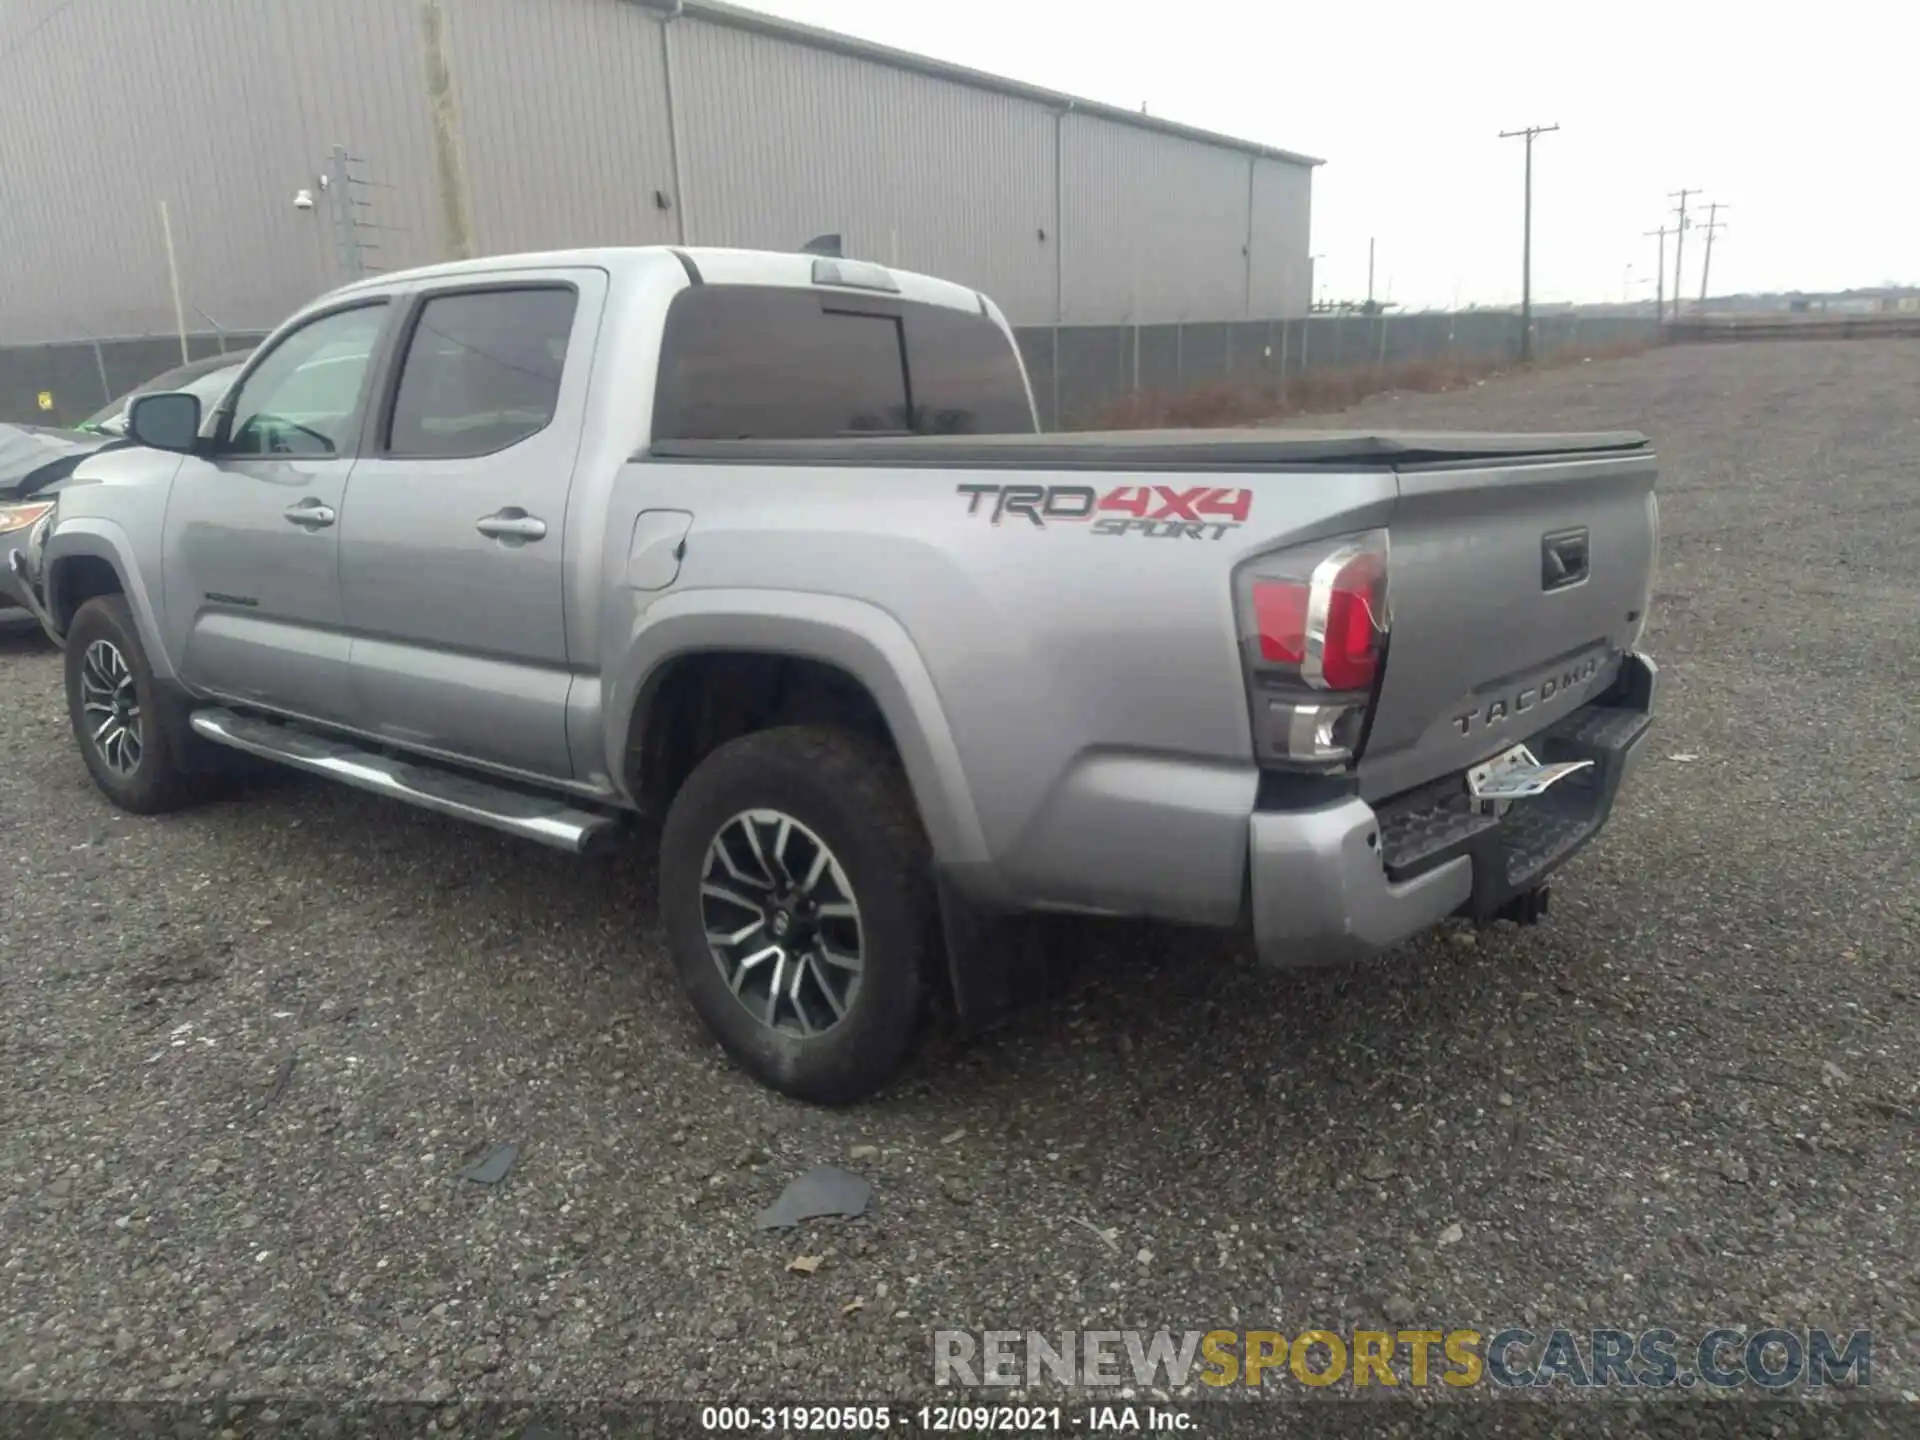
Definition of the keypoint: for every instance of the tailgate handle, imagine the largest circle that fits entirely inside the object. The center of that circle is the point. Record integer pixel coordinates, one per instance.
(1563, 558)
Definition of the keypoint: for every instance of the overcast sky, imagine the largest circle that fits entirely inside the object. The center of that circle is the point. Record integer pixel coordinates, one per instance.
(1800, 118)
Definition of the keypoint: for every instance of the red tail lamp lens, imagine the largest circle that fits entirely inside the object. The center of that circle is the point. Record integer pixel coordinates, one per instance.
(1352, 653)
(1280, 617)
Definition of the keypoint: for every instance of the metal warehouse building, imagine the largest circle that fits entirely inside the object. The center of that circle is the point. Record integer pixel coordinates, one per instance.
(495, 125)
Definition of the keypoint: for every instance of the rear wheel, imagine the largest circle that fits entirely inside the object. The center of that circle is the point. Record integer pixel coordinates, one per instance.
(797, 896)
(120, 721)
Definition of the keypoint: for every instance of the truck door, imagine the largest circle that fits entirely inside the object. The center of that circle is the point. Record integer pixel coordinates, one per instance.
(452, 535)
(251, 563)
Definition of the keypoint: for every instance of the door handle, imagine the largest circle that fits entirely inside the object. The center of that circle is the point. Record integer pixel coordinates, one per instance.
(512, 523)
(311, 514)
(1564, 558)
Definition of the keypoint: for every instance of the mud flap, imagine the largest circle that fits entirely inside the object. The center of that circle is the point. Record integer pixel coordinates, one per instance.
(196, 756)
(997, 963)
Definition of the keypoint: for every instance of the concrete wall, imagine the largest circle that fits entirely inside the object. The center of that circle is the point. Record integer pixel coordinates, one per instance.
(578, 122)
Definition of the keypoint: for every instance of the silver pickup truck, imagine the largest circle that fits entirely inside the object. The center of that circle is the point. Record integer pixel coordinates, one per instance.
(767, 545)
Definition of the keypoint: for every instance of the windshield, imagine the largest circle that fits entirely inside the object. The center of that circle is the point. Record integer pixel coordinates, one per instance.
(209, 385)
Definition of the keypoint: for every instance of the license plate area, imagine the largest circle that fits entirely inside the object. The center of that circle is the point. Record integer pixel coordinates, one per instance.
(1516, 774)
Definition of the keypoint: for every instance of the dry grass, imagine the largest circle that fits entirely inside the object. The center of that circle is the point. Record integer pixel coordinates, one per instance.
(1255, 401)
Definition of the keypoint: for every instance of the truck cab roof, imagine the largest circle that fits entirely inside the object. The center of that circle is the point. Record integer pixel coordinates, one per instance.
(703, 264)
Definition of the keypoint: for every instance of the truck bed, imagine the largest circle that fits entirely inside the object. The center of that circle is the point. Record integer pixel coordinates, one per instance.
(1137, 450)
(1490, 642)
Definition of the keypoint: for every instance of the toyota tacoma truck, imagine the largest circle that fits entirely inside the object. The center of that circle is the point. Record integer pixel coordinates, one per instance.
(768, 547)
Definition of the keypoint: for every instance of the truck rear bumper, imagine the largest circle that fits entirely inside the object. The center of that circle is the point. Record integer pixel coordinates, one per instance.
(1348, 879)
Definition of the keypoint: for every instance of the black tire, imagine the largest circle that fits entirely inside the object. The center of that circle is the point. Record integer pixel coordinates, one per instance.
(849, 793)
(161, 778)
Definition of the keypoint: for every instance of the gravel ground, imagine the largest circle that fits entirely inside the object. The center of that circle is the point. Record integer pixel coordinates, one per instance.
(245, 1052)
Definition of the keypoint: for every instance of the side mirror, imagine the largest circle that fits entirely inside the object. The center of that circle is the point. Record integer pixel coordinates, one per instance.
(167, 421)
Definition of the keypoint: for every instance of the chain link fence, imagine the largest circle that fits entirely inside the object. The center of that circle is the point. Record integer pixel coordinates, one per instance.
(1077, 371)
(1080, 371)
(62, 384)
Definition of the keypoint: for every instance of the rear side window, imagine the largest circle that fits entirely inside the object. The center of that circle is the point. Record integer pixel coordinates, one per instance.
(745, 362)
(966, 375)
(482, 372)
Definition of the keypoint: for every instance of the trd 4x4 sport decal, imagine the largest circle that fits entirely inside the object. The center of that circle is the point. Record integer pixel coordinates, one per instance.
(1161, 512)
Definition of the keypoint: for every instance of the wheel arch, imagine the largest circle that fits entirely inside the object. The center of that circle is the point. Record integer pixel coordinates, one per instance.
(86, 557)
(847, 638)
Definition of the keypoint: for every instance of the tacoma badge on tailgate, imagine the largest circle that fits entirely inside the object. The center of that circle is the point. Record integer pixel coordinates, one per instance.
(1500, 708)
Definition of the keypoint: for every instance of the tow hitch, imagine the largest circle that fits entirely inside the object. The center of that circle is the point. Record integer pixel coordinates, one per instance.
(1515, 775)
(1528, 908)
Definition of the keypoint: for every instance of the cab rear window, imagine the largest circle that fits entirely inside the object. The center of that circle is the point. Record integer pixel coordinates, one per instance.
(747, 362)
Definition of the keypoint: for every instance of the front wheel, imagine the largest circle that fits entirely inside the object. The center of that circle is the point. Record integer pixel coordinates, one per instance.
(115, 709)
(800, 910)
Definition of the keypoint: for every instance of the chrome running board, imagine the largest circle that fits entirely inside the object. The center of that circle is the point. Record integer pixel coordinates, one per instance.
(531, 816)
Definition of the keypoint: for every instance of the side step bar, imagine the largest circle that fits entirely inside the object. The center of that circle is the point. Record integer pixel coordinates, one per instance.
(518, 812)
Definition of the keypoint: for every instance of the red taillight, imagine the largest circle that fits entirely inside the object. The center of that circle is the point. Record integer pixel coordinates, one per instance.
(1355, 624)
(1340, 606)
(1280, 620)
(1314, 625)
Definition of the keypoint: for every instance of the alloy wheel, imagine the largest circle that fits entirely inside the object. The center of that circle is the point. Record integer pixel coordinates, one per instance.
(781, 922)
(111, 707)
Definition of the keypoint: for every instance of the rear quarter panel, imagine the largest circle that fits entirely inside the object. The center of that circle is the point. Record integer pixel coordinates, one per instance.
(1079, 673)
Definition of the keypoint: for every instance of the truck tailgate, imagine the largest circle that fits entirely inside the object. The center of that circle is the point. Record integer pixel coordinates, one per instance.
(1515, 586)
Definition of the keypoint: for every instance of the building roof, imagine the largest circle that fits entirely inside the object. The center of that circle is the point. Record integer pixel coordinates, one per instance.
(736, 17)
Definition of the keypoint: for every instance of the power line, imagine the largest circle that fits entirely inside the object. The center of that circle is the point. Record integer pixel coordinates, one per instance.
(1714, 222)
(1526, 240)
(1679, 246)
(1660, 274)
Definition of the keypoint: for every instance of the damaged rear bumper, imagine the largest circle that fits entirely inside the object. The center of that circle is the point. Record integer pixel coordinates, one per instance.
(1348, 879)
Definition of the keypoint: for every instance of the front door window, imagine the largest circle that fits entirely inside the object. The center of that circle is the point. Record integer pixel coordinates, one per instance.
(304, 398)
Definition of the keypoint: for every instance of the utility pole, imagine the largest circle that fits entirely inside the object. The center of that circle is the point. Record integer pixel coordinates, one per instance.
(1526, 240)
(1660, 277)
(1714, 222)
(173, 278)
(449, 159)
(1679, 247)
(1370, 274)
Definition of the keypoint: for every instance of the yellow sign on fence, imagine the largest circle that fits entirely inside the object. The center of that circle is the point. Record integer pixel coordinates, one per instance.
(46, 399)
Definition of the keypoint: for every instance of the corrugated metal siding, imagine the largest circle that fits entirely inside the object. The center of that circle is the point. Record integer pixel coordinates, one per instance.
(87, 161)
(19, 19)
(783, 142)
(358, 70)
(1282, 214)
(224, 108)
(563, 108)
(1155, 227)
